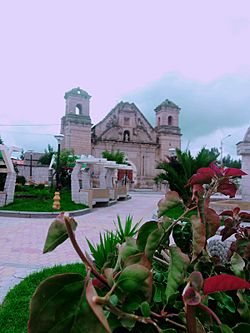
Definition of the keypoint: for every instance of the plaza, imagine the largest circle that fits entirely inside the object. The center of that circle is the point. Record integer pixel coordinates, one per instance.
(22, 239)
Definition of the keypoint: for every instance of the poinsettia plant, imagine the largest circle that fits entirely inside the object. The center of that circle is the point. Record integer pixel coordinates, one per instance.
(163, 280)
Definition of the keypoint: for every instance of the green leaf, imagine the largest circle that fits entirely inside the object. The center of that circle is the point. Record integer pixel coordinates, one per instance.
(153, 243)
(171, 200)
(243, 306)
(128, 323)
(145, 309)
(237, 265)
(241, 328)
(224, 301)
(177, 270)
(132, 303)
(59, 305)
(113, 300)
(57, 233)
(145, 230)
(132, 278)
(199, 236)
(225, 329)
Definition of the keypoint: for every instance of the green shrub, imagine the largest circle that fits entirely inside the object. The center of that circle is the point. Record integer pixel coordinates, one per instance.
(20, 180)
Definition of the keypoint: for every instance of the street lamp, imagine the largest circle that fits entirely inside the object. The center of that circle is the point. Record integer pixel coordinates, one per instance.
(30, 151)
(59, 138)
(56, 203)
(221, 148)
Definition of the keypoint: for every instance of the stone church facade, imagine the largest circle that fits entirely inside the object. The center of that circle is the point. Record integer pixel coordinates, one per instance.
(124, 128)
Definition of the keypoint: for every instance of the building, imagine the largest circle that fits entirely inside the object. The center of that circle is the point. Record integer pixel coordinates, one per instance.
(124, 128)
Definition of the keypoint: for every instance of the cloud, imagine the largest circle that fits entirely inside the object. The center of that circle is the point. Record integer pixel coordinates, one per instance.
(208, 110)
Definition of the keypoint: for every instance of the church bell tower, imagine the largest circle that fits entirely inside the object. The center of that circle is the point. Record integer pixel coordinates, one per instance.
(76, 124)
(167, 128)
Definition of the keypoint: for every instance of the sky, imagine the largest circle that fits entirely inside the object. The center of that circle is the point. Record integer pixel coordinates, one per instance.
(195, 53)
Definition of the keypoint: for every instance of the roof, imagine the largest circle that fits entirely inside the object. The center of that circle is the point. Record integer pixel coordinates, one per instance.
(167, 104)
(77, 92)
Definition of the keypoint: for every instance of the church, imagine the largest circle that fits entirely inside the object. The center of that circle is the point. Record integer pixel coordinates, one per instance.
(124, 128)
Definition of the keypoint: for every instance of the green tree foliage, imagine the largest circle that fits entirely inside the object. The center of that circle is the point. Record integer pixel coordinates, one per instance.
(178, 169)
(46, 157)
(117, 156)
(1, 141)
(66, 165)
(229, 162)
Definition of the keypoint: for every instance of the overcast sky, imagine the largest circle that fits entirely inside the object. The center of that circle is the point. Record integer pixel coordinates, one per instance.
(196, 53)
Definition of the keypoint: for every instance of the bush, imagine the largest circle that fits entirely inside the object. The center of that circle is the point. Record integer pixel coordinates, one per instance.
(151, 285)
(40, 186)
(20, 180)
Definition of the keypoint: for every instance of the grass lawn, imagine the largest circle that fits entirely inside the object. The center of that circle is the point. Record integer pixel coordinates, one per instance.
(41, 200)
(14, 311)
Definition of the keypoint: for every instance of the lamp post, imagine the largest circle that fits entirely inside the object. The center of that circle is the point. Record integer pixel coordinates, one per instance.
(221, 148)
(30, 151)
(59, 138)
(56, 204)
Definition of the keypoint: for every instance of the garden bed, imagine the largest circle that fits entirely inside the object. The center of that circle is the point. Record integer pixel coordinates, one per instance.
(41, 200)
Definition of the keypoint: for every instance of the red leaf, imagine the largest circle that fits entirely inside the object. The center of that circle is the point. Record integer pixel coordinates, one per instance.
(213, 221)
(191, 296)
(224, 282)
(244, 216)
(216, 169)
(227, 188)
(227, 213)
(233, 172)
(200, 178)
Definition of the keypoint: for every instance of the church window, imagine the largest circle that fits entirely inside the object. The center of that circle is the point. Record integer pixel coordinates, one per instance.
(126, 136)
(78, 109)
(170, 120)
(159, 121)
(126, 121)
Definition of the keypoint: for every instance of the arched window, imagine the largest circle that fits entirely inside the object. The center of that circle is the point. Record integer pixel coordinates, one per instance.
(126, 136)
(159, 121)
(170, 120)
(78, 109)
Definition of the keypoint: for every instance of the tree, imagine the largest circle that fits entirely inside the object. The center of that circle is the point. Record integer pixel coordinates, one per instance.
(45, 159)
(66, 165)
(178, 169)
(117, 156)
(229, 162)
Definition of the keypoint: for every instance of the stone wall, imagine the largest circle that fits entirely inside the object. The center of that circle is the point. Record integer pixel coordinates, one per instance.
(40, 174)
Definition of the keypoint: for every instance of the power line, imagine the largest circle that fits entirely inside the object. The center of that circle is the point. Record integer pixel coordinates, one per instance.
(2, 125)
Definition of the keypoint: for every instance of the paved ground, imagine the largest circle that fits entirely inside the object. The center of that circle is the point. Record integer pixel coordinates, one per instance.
(22, 239)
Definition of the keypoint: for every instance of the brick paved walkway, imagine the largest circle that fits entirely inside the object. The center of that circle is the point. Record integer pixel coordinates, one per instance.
(22, 239)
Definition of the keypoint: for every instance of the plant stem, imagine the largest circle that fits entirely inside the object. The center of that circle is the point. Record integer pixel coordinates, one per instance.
(82, 256)
(209, 311)
(179, 218)
(122, 314)
(191, 320)
(176, 324)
